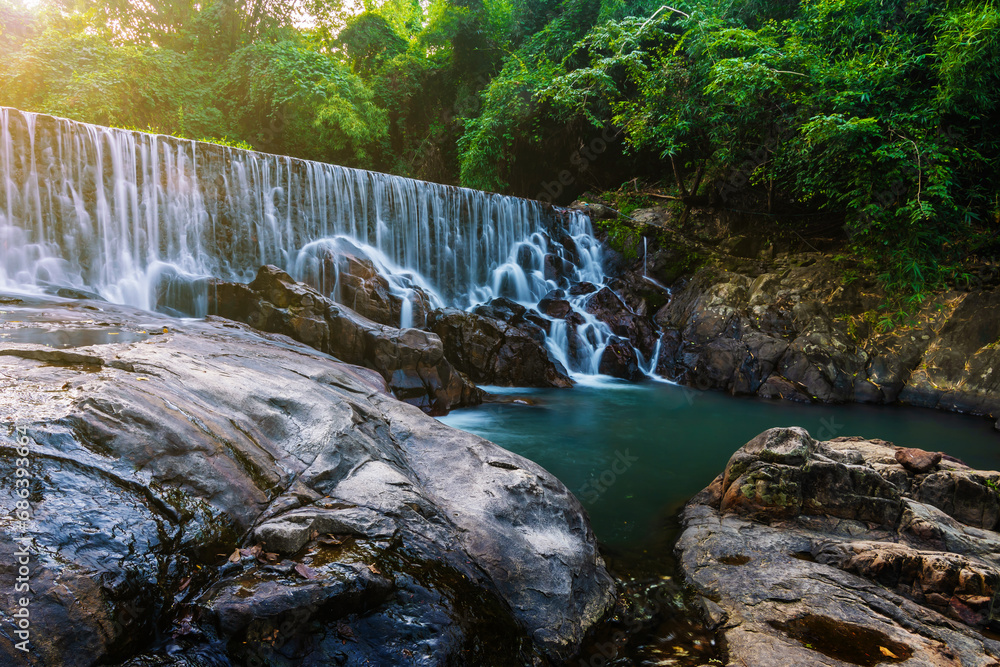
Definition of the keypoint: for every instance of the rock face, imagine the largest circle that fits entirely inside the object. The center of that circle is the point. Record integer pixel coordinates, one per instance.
(804, 333)
(619, 360)
(367, 292)
(833, 553)
(412, 362)
(232, 497)
(608, 307)
(492, 351)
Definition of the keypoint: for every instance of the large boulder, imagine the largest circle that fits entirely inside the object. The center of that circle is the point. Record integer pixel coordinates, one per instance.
(609, 308)
(412, 362)
(619, 360)
(835, 553)
(365, 290)
(527, 320)
(204, 494)
(491, 351)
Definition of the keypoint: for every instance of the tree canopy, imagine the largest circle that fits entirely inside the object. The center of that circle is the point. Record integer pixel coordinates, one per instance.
(885, 114)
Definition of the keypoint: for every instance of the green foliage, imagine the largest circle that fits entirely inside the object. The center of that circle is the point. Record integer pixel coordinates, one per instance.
(622, 236)
(288, 98)
(884, 114)
(627, 199)
(230, 143)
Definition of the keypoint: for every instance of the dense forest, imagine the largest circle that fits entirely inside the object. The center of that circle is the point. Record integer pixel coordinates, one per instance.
(880, 114)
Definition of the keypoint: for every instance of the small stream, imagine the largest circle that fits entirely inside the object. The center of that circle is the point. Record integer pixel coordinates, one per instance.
(634, 454)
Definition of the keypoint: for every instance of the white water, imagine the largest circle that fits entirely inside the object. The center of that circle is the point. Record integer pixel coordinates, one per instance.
(146, 220)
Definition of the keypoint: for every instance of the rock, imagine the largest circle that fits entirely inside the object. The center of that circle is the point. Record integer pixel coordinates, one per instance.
(343, 272)
(527, 320)
(961, 368)
(580, 289)
(832, 553)
(557, 269)
(492, 351)
(555, 305)
(594, 210)
(670, 345)
(779, 387)
(215, 495)
(368, 293)
(582, 340)
(917, 460)
(412, 362)
(804, 327)
(607, 307)
(619, 360)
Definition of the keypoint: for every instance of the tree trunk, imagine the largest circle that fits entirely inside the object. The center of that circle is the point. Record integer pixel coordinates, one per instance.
(678, 178)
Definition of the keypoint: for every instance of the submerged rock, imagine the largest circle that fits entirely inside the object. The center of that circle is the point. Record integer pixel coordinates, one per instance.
(412, 362)
(213, 495)
(805, 552)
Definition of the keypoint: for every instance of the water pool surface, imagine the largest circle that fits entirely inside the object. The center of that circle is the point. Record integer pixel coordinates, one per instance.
(633, 454)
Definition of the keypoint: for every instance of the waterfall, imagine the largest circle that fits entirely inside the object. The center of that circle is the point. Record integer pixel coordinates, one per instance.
(148, 220)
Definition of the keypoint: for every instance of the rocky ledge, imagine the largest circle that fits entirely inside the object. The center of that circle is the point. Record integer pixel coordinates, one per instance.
(846, 552)
(502, 343)
(804, 332)
(203, 494)
(750, 310)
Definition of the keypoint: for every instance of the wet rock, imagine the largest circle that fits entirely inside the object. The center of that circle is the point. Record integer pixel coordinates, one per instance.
(492, 351)
(670, 345)
(579, 289)
(411, 361)
(555, 305)
(619, 360)
(581, 341)
(607, 307)
(830, 552)
(556, 268)
(917, 460)
(527, 320)
(216, 495)
(363, 289)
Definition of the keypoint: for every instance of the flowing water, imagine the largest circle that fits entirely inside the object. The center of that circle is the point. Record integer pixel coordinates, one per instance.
(149, 220)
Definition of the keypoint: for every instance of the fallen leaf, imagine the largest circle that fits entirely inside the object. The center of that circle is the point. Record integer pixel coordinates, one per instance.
(305, 571)
(374, 569)
(344, 630)
(235, 558)
(887, 653)
(184, 584)
(268, 557)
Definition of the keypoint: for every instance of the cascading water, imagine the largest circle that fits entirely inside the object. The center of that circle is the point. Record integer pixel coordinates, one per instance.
(148, 220)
